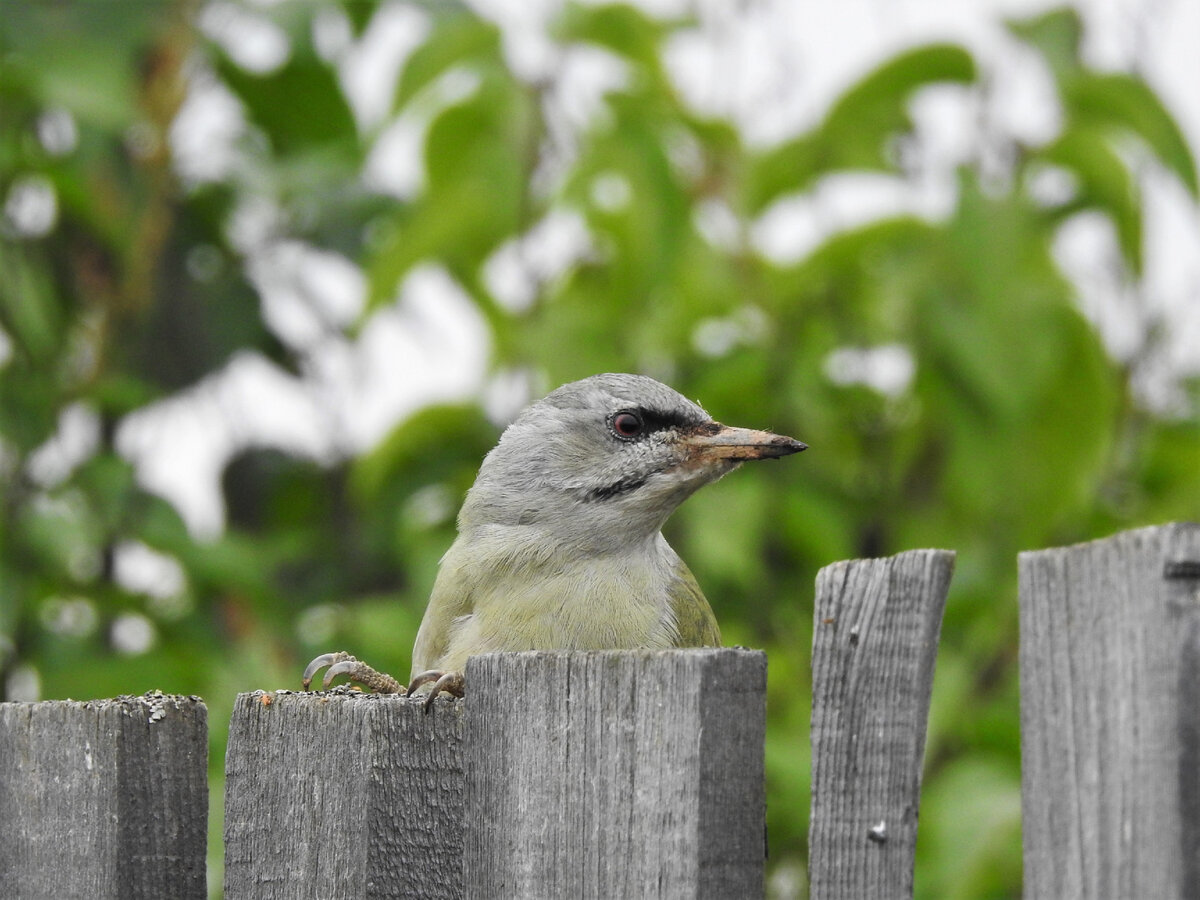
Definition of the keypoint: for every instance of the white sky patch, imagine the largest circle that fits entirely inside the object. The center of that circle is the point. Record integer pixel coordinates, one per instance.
(265, 406)
(204, 134)
(586, 74)
(75, 441)
(1172, 256)
(396, 162)
(887, 369)
(318, 624)
(430, 347)
(506, 393)
(57, 132)
(141, 570)
(24, 684)
(528, 49)
(1086, 249)
(718, 224)
(431, 505)
(332, 33)
(370, 71)
(30, 207)
(519, 269)
(132, 634)
(179, 447)
(252, 41)
(307, 292)
(255, 224)
(794, 226)
(610, 191)
(718, 336)
(69, 616)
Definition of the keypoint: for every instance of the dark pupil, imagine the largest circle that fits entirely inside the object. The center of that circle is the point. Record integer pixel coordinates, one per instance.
(627, 424)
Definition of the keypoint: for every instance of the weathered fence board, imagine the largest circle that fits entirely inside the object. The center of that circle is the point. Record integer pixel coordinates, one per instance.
(615, 774)
(875, 640)
(1108, 698)
(104, 799)
(341, 794)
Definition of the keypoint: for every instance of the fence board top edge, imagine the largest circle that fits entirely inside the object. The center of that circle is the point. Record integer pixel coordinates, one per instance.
(939, 554)
(267, 697)
(151, 701)
(1180, 527)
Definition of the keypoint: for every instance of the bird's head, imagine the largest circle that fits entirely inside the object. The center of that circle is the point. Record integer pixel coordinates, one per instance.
(604, 461)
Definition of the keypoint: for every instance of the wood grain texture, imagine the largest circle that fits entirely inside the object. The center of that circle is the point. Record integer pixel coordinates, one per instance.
(875, 640)
(1107, 709)
(104, 798)
(615, 774)
(342, 794)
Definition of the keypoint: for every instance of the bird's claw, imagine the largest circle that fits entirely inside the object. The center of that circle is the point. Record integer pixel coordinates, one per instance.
(342, 663)
(450, 682)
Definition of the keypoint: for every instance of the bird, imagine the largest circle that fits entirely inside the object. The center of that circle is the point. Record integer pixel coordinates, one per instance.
(560, 543)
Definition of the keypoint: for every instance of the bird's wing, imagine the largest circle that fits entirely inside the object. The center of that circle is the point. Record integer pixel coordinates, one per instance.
(693, 616)
(449, 602)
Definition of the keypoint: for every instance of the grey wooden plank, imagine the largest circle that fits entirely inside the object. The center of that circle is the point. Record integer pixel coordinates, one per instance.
(1104, 629)
(615, 774)
(875, 640)
(104, 798)
(343, 794)
(1189, 758)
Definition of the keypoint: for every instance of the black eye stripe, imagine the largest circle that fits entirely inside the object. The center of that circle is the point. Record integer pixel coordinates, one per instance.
(649, 421)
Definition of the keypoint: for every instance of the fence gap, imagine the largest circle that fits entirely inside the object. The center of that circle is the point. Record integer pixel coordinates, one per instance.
(875, 637)
(104, 798)
(1108, 707)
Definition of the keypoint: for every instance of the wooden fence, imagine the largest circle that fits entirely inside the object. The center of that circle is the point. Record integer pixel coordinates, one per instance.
(640, 774)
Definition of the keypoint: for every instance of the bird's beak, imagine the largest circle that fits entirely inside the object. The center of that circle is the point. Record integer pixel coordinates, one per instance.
(719, 442)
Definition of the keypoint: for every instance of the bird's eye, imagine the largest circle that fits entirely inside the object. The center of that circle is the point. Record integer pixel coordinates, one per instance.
(627, 424)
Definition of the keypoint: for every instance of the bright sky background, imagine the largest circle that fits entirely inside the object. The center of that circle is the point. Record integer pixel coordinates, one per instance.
(771, 65)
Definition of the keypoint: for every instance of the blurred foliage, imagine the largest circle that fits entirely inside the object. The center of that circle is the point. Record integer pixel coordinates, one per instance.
(124, 283)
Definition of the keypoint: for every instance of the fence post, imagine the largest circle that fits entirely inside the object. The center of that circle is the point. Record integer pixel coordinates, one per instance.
(875, 641)
(1108, 637)
(343, 794)
(615, 774)
(104, 798)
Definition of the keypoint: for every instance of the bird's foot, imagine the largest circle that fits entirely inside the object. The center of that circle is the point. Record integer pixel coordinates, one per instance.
(450, 682)
(342, 663)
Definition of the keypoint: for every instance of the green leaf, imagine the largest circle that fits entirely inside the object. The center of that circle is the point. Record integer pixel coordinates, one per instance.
(458, 38)
(623, 29)
(1125, 103)
(82, 56)
(876, 108)
(858, 129)
(108, 481)
(429, 446)
(1056, 34)
(31, 311)
(475, 158)
(1104, 184)
(971, 823)
(359, 13)
(300, 106)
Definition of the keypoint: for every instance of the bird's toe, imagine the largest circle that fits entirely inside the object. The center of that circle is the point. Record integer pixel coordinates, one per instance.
(325, 659)
(342, 663)
(450, 682)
